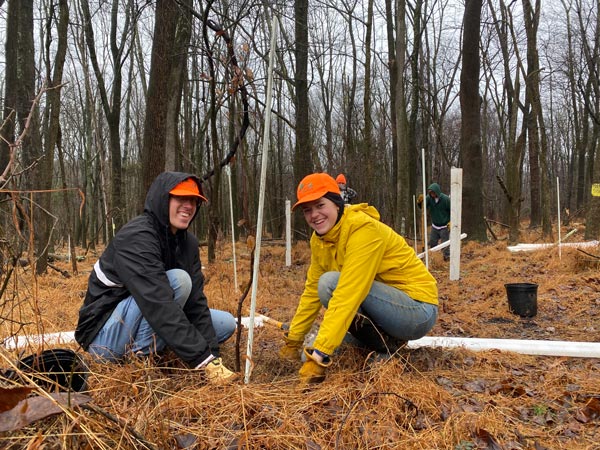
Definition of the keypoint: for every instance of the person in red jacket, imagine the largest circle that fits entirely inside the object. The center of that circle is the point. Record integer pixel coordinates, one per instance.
(146, 290)
(368, 278)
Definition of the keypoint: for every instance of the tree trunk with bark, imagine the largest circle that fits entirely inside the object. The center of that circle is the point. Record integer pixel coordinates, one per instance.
(470, 132)
(155, 125)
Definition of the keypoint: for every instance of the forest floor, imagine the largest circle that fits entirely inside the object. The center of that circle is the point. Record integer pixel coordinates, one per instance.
(425, 398)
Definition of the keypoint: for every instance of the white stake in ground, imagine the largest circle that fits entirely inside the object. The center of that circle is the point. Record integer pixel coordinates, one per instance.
(261, 200)
(288, 233)
(424, 207)
(235, 282)
(558, 216)
(455, 221)
(415, 220)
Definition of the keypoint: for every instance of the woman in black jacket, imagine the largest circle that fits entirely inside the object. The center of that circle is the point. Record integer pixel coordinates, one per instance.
(146, 290)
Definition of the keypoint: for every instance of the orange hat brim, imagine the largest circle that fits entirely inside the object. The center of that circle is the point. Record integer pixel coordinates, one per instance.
(310, 197)
(187, 189)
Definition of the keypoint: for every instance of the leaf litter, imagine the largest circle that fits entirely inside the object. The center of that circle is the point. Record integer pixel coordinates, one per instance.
(425, 398)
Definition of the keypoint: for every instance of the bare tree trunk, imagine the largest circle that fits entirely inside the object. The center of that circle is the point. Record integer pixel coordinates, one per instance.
(52, 131)
(413, 151)
(369, 185)
(303, 151)
(155, 126)
(470, 133)
(27, 116)
(592, 220)
(515, 146)
(10, 85)
(350, 154)
(112, 106)
(178, 66)
(540, 211)
(402, 151)
(212, 144)
(393, 71)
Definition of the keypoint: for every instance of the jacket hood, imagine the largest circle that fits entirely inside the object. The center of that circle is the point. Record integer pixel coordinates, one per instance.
(365, 208)
(349, 211)
(435, 188)
(157, 198)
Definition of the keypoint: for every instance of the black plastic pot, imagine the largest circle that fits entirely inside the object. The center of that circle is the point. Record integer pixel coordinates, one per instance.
(54, 369)
(522, 298)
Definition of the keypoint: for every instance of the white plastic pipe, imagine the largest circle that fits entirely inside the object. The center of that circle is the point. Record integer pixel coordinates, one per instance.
(415, 221)
(532, 247)
(558, 216)
(455, 221)
(523, 346)
(17, 342)
(288, 233)
(424, 206)
(440, 246)
(235, 281)
(261, 198)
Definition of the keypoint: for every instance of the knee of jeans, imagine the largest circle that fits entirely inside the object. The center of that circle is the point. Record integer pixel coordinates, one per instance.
(181, 280)
(327, 284)
(225, 327)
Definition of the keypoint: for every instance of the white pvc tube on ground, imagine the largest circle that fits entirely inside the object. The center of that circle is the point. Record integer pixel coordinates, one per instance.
(440, 246)
(17, 342)
(523, 346)
(532, 247)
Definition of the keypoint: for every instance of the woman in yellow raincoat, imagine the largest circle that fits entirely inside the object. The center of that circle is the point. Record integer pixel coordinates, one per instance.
(365, 274)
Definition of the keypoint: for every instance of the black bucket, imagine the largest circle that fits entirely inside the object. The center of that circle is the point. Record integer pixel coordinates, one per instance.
(54, 369)
(522, 298)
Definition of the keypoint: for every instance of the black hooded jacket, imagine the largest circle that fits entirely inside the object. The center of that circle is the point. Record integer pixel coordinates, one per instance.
(135, 263)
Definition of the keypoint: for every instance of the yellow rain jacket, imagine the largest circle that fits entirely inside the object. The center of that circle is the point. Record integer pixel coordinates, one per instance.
(362, 249)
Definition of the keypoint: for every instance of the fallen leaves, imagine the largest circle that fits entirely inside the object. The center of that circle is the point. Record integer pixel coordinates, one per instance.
(31, 409)
(10, 397)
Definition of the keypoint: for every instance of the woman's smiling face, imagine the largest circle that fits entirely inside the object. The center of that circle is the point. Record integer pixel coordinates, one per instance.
(321, 214)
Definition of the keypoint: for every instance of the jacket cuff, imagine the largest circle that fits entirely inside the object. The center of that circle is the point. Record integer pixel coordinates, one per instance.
(204, 358)
(205, 362)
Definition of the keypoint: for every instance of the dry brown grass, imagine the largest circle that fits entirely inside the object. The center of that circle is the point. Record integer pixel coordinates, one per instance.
(420, 399)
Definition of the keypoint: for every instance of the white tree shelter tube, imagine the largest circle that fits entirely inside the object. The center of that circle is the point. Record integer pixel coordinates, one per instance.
(36, 340)
(437, 248)
(523, 346)
(261, 198)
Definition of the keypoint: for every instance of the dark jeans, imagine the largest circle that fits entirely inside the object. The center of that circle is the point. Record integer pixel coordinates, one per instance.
(437, 237)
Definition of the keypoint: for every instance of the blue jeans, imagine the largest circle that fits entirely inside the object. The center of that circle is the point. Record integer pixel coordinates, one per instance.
(126, 330)
(387, 311)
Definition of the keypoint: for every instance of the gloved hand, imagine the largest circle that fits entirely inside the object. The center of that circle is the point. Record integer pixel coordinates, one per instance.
(291, 349)
(313, 371)
(216, 372)
(449, 225)
(420, 199)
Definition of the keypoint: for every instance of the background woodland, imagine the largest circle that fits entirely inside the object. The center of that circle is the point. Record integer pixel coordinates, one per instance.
(99, 96)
